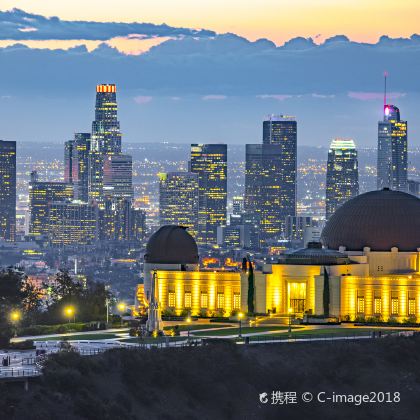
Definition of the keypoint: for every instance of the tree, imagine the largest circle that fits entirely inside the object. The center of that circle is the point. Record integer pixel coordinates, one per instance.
(251, 287)
(65, 289)
(16, 294)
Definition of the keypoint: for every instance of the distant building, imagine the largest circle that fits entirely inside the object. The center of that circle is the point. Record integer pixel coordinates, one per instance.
(209, 161)
(178, 200)
(7, 190)
(117, 176)
(392, 151)
(96, 176)
(106, 135)
(41, 194)
(238, 205)
(342, 174)
(413, 187)
(68, 161)
(72, 223)
(311, 234)
(233, 236)
(296, 225)
(80, 165)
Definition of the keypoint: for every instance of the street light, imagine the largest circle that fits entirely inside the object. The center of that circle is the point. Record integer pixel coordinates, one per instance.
(290, 321)
(70, 312)
(189, 324)
(15, 318)
(240, 316)
(121, 308)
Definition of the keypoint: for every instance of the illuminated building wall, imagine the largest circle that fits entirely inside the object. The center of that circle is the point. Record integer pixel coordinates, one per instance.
(117, 176)
(72, 223)
(41, 194)
(392, 151)
(198, 292)
(296, 225)
(178, 200)
(96, 176)
(106, 135)
(342, 174)
(209, 161)
(80, 165)
(7, 190)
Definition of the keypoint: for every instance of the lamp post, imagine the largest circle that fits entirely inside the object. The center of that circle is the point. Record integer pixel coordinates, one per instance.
(240, 316)
(15, 317)
(70, 312)
(189, 326)
(121, 308)
(290, 321)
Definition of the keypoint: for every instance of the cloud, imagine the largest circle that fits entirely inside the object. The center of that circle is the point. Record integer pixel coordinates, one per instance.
(276, 97)
(17, 24)
(214, 97)
(322, 96)
(374, 96)
(141, 100)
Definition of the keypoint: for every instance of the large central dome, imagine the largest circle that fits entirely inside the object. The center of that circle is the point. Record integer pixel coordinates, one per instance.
(171, 244)
(377, 219)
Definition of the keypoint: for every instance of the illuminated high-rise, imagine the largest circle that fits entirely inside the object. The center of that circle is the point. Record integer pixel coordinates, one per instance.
(80, 165)
(209, 161)
(178, 200)
(117, 176)
(7, 190)
(41, 195)
(106, 135)
(270, 178)
(342, 174)
(96, 176)
(72, 223)
(392, 150)
(68, 161)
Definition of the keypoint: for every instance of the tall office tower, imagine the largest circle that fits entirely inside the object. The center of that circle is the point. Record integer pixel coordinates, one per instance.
(7, 190)
(41, 194)
(72, 223)
(209, 161)
(117, 176)
(178, 200)
(281, 129)
(106, 135)
(342, 174)
(68, 161)
(270, 183)
(238, 205)
(392, 150)
(80, 165)
(96, 176)
(138, 224)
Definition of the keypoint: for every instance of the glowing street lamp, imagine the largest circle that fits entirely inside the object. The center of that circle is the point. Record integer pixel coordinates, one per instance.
(121, 307)
(240, 316)
(69, 311)
(290, 321)
(15, 318)
(189, 324)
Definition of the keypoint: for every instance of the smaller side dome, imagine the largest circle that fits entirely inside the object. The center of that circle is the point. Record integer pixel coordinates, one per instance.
(171, 244)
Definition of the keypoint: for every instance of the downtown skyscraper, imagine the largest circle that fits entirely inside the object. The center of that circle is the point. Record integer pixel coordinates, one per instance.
(342, 174)
(209, 161)
(392, 150)
(270, 178)
(178, 200)
(7, 190)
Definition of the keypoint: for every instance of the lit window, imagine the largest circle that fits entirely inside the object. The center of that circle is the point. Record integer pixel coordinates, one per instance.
(171, 299)
(236, 301)
(377, 303)
(204, 300)
(411, 303)
(394, 303)
(220, 301)
(360, 305)
(187, 300)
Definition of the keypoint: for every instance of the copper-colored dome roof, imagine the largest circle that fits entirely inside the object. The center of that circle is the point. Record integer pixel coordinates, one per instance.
(171, 244)
(377, 219)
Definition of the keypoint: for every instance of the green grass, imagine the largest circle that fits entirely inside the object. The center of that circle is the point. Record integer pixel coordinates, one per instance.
(151, 340)
(77, 337)
(245, 330)
(324, 333)
(195, 327)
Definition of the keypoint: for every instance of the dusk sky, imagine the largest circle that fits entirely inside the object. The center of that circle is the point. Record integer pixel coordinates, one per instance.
(187, 81)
